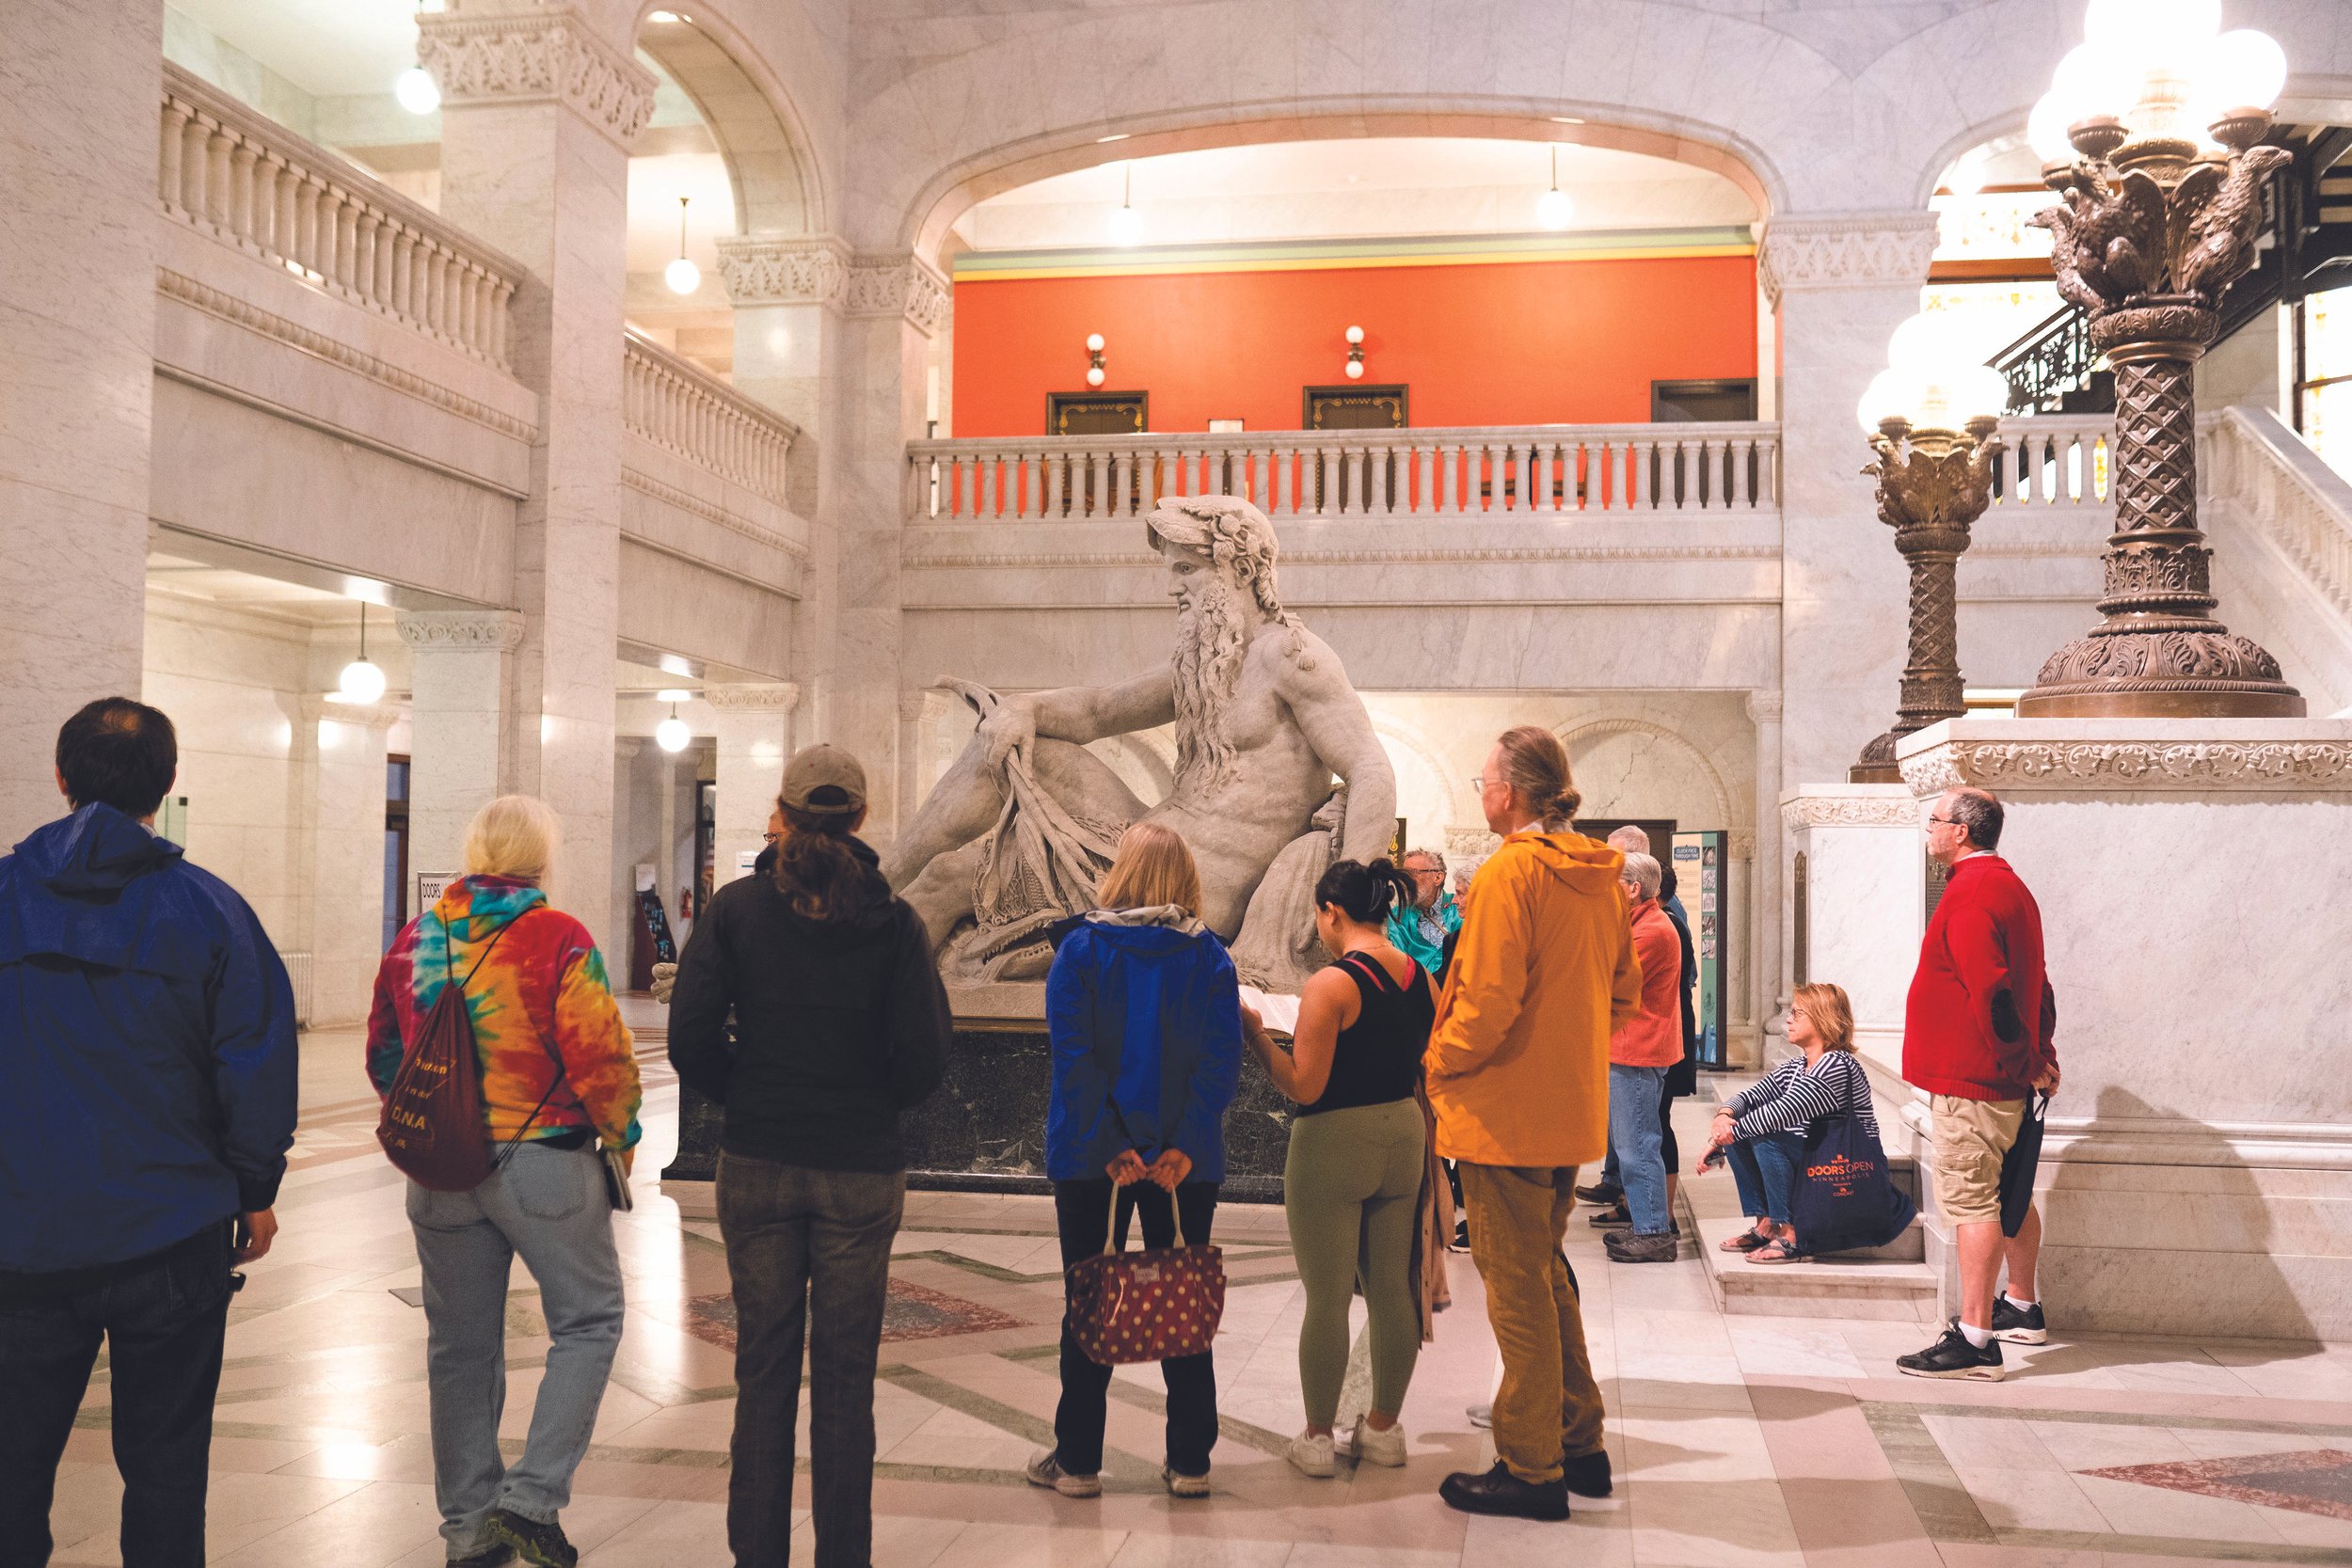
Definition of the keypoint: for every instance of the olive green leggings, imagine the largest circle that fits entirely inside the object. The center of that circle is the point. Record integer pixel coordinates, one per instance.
(1352, 1189)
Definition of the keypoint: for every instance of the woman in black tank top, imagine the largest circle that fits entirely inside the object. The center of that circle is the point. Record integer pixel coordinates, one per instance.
(1358, 1152)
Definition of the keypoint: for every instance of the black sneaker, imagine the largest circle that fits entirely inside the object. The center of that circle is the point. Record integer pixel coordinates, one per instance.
(1617, 1214)
(1601, 1192)
(1461, 1235)
(1954, 1357)
(1586, 1474)
(1501, 1492)
(2019, 1325)
(541, 1546)
(1626, 1247)
(490, 1556)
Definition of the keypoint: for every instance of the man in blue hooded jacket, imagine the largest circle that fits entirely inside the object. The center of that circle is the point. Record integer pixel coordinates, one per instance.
(147, 1053)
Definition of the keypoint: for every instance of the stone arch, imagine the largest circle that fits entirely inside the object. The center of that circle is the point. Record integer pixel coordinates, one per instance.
(1430, 762)
(766, 147)
(954, 190)
(1583, 736)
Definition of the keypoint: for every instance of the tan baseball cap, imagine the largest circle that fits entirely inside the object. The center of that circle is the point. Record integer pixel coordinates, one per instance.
(824, 780)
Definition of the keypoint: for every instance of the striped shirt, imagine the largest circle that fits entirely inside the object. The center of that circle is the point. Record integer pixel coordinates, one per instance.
(1790, 1098)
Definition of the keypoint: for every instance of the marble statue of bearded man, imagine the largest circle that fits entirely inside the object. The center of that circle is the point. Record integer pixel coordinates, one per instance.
(1021, 828)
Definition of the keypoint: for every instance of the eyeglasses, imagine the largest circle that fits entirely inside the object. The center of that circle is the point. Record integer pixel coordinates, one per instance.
(1947, 821)
(1478, 782)
(770, 838)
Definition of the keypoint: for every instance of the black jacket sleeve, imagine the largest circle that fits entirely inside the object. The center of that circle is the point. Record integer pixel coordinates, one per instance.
(699, 1048)
(921, 1027)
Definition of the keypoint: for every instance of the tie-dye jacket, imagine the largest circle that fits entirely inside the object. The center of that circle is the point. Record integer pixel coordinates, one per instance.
(543, 982)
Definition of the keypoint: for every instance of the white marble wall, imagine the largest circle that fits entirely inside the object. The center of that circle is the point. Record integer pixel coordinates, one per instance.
(341, 784)
(753, 728)
(461, 669)
(1865, 898)
(79, 83)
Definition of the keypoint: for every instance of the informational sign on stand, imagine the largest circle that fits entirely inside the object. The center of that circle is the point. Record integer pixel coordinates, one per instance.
(745, 860)
(431, 885)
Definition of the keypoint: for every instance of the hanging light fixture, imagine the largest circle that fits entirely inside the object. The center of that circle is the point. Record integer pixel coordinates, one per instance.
(1094, 359)
(1553, 209)
(672, 733)
(362, 680)
(682, 275)
(1126, 224)
(416, 91)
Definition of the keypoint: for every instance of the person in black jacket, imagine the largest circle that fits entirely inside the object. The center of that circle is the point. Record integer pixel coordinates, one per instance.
(841, 1024)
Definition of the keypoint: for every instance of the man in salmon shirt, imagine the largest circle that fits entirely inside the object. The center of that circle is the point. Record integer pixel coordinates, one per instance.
(1977, 1038)
(1641, 1051)
(1518, 1075)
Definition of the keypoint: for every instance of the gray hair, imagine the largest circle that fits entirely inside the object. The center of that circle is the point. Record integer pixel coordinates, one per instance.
(1644, 872)
(1978, 814)
(1437, 861)
(1629, 840)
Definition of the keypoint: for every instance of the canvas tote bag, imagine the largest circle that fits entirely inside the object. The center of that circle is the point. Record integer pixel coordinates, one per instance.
(1132, 1307)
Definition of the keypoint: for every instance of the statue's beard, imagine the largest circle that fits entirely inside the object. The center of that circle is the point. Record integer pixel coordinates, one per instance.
(1212, 640)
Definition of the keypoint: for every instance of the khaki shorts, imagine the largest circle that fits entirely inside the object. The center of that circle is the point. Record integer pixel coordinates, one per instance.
(1972, 1138)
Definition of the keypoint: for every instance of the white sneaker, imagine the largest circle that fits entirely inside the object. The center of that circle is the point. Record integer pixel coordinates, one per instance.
(1379, 1447)
(1313, 1456)
(1046, 1471)
(1481, 1414)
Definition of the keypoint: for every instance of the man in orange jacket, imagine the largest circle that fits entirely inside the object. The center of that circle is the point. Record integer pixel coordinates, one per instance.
(1518, 1075)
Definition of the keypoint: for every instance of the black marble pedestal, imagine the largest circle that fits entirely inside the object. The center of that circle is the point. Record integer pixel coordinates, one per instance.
(984, 1128)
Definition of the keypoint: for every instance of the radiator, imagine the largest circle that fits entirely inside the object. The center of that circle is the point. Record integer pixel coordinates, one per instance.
(299, 970)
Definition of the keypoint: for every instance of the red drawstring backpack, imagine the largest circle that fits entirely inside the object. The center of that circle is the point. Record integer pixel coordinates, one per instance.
(432, 1125)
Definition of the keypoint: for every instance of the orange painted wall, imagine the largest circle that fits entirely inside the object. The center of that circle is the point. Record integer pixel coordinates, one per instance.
(1520, 342)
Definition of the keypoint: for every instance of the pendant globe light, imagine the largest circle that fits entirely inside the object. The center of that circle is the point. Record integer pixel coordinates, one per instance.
(1553, 209)
(362, 680)
(1126, 222)
(682, 275)
(672, 733)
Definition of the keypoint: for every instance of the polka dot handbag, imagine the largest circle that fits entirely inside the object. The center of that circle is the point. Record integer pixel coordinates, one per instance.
(1131, 1307)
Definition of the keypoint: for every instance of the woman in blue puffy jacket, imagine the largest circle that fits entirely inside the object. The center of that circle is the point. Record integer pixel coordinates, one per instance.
(1145, 1015)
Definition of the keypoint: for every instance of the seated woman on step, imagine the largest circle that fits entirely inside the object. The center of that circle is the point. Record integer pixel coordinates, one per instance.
(1763, 1128)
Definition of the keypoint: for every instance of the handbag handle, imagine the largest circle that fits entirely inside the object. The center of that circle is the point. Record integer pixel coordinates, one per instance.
(1115, 1242)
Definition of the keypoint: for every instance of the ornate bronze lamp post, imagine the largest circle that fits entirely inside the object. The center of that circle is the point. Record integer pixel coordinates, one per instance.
(1933, 483)
(2156, 224)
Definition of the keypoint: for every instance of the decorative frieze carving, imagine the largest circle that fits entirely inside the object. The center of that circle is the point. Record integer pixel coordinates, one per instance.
(892, 286)
(1848, 810)
(2283, 766)
(762, 697)
(542, 57)
(1742, 845)
(1845, 250)
(776, 269)
(466, 631)
(1764, 706)
(1435, 555)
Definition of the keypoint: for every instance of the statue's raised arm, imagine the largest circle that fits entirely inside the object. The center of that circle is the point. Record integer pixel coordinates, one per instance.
(1020, 829)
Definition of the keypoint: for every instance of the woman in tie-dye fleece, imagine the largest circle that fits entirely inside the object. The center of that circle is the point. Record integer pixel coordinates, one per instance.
(535, 989)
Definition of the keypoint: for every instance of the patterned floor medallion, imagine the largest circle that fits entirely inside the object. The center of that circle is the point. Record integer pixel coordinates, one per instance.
(2317, 1481)
(913, 1312)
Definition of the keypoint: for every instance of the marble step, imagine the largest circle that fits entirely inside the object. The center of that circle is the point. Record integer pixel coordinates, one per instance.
(1890, 1282)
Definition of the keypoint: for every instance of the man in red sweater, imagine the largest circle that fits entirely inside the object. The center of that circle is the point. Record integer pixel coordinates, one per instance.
(1977, 1037)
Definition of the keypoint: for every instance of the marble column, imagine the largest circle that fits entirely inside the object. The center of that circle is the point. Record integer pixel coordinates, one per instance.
(537, 114)
(788, 292)
(754, 735)
(460, 669)
(81, 83)
(1768, 940)
(341, 754)
(1840, 284)
(891, 306)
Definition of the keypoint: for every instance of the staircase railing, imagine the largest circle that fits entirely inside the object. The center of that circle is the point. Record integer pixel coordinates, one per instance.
(2049, 364)
(2263, 486)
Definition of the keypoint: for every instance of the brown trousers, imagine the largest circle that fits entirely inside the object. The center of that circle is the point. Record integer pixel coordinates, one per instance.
(1548, 1405)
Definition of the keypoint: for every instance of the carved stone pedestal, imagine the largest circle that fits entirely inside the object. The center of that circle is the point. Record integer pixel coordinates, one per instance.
(1856, 905)
(2196, 898)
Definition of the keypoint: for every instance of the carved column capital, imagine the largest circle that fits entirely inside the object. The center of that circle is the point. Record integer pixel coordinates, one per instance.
(548, 56)
(767, 697)
(1764, 706)
(1844, 250)
(463, 631)
(896, 286)
(785, 269)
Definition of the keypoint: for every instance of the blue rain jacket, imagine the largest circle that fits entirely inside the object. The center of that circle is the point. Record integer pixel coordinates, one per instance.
(147, 1048)
(1150, 1016)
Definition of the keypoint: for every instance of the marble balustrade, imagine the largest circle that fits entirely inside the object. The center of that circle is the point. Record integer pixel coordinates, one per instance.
(1531, 471)
(249, 182)
(677, 406)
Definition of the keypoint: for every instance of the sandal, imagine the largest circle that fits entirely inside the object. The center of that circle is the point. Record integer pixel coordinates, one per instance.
(1778, 1251)
(1747, 1240)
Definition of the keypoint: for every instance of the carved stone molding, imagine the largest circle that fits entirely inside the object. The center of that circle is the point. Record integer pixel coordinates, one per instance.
(461, 631)
(1742, 845)
(1764, 707)
(1848, 810)
(670, 495)
(764, 697)
(2283, 766)
(778, 269)
(1840, 250)
(896, 286)
(365, 716)
(1577, 733)
(1432, 555)
(1470, 844)
(552, 56)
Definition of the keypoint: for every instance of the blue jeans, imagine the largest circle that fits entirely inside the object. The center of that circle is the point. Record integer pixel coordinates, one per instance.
(1634, 1093)
(1765, 1168)
(549, 1204)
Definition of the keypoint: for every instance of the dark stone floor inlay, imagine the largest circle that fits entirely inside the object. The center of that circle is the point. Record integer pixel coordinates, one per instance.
(911, 1312)
(2313, 1481)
